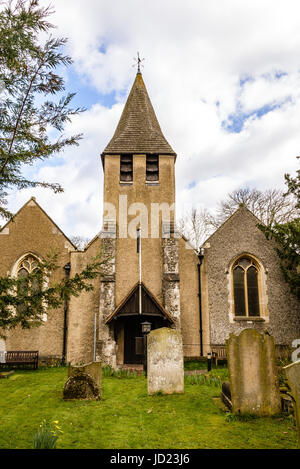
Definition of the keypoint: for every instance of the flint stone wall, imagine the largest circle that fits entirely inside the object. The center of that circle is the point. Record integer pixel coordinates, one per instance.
(253, 374)
(165, 371)
(106, 345)
(171, 279)
(240, 235)
(292, 373)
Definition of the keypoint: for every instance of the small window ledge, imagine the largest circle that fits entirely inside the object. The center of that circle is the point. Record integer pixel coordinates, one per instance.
(152, 183)
(249, 318)
(126, 183)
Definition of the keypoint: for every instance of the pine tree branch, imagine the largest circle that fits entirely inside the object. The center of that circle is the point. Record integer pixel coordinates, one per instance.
(19, 119)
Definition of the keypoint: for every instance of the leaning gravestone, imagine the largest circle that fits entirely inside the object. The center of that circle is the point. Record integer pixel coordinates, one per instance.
(84, 382)
(254, 385)
(165, 371)
(292, 373)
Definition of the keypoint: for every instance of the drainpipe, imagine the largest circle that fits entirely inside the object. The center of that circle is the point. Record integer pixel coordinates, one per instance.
(200, 255)
(67, 269)
(139, 251)
(95, 335)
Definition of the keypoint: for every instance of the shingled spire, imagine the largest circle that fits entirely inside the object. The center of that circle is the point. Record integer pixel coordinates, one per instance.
(138, 130)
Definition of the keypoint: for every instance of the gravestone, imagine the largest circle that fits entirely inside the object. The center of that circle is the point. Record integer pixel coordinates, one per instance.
(165, 372)
(84, 382)
(292, 373)
(254, 384)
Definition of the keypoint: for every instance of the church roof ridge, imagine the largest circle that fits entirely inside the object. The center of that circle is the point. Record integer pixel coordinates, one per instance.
(138, 130)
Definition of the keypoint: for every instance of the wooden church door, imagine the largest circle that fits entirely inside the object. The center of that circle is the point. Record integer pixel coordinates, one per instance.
(133, 341)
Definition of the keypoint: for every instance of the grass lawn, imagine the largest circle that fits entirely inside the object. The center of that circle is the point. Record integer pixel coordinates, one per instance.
(128, 418)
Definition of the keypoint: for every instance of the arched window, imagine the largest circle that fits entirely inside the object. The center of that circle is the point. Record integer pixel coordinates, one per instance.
(245, 273)
(25, 266)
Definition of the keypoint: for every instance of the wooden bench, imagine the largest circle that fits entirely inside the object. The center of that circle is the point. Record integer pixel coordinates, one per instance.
(219, 353)
(18, 358)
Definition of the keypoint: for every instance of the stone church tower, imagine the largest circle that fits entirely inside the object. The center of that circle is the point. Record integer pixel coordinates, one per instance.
(139, 192)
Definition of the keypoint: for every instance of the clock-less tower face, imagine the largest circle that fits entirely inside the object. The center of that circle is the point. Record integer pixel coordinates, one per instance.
(139, 192)
(139, 189)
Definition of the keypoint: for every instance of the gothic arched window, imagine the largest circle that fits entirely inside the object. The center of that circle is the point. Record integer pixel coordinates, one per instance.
(245, 272)
(27, 265)
(24, 268)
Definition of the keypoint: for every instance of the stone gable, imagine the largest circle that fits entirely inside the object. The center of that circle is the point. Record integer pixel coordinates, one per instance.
(237, 236)
(32, 231)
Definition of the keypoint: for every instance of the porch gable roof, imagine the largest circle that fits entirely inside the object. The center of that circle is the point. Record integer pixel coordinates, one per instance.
(129, 306)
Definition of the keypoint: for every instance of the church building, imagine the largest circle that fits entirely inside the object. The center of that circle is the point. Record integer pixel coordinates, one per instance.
(152, 274)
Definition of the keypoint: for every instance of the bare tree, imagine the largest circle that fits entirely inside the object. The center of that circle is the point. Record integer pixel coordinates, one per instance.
(79, 242)
(270, 206)
(196, 225)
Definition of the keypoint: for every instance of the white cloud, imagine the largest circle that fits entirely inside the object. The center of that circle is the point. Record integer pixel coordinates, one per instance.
(196, 54)
(269, 90)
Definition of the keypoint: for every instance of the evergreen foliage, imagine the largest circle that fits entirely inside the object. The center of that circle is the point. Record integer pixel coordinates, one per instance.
(287, 237)
(24, 300)
(33, 114)
(31, 121)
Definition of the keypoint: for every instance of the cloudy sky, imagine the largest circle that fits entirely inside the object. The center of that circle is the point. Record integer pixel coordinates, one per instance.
(223, 77)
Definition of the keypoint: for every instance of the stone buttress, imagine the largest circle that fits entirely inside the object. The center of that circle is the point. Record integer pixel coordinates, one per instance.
(106, 345)
(171, 279)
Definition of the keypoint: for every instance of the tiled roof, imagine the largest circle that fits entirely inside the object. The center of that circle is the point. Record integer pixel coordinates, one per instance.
(138, 130)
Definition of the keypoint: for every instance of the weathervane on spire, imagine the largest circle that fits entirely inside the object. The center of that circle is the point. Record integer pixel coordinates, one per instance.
(138, 62)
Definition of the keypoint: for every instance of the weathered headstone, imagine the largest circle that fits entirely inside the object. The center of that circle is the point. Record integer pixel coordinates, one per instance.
(84, 382)
(292, 373)
(165, 371)
(254, 384)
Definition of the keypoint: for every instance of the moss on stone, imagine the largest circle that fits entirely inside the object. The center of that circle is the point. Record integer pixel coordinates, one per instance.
(81, 386)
